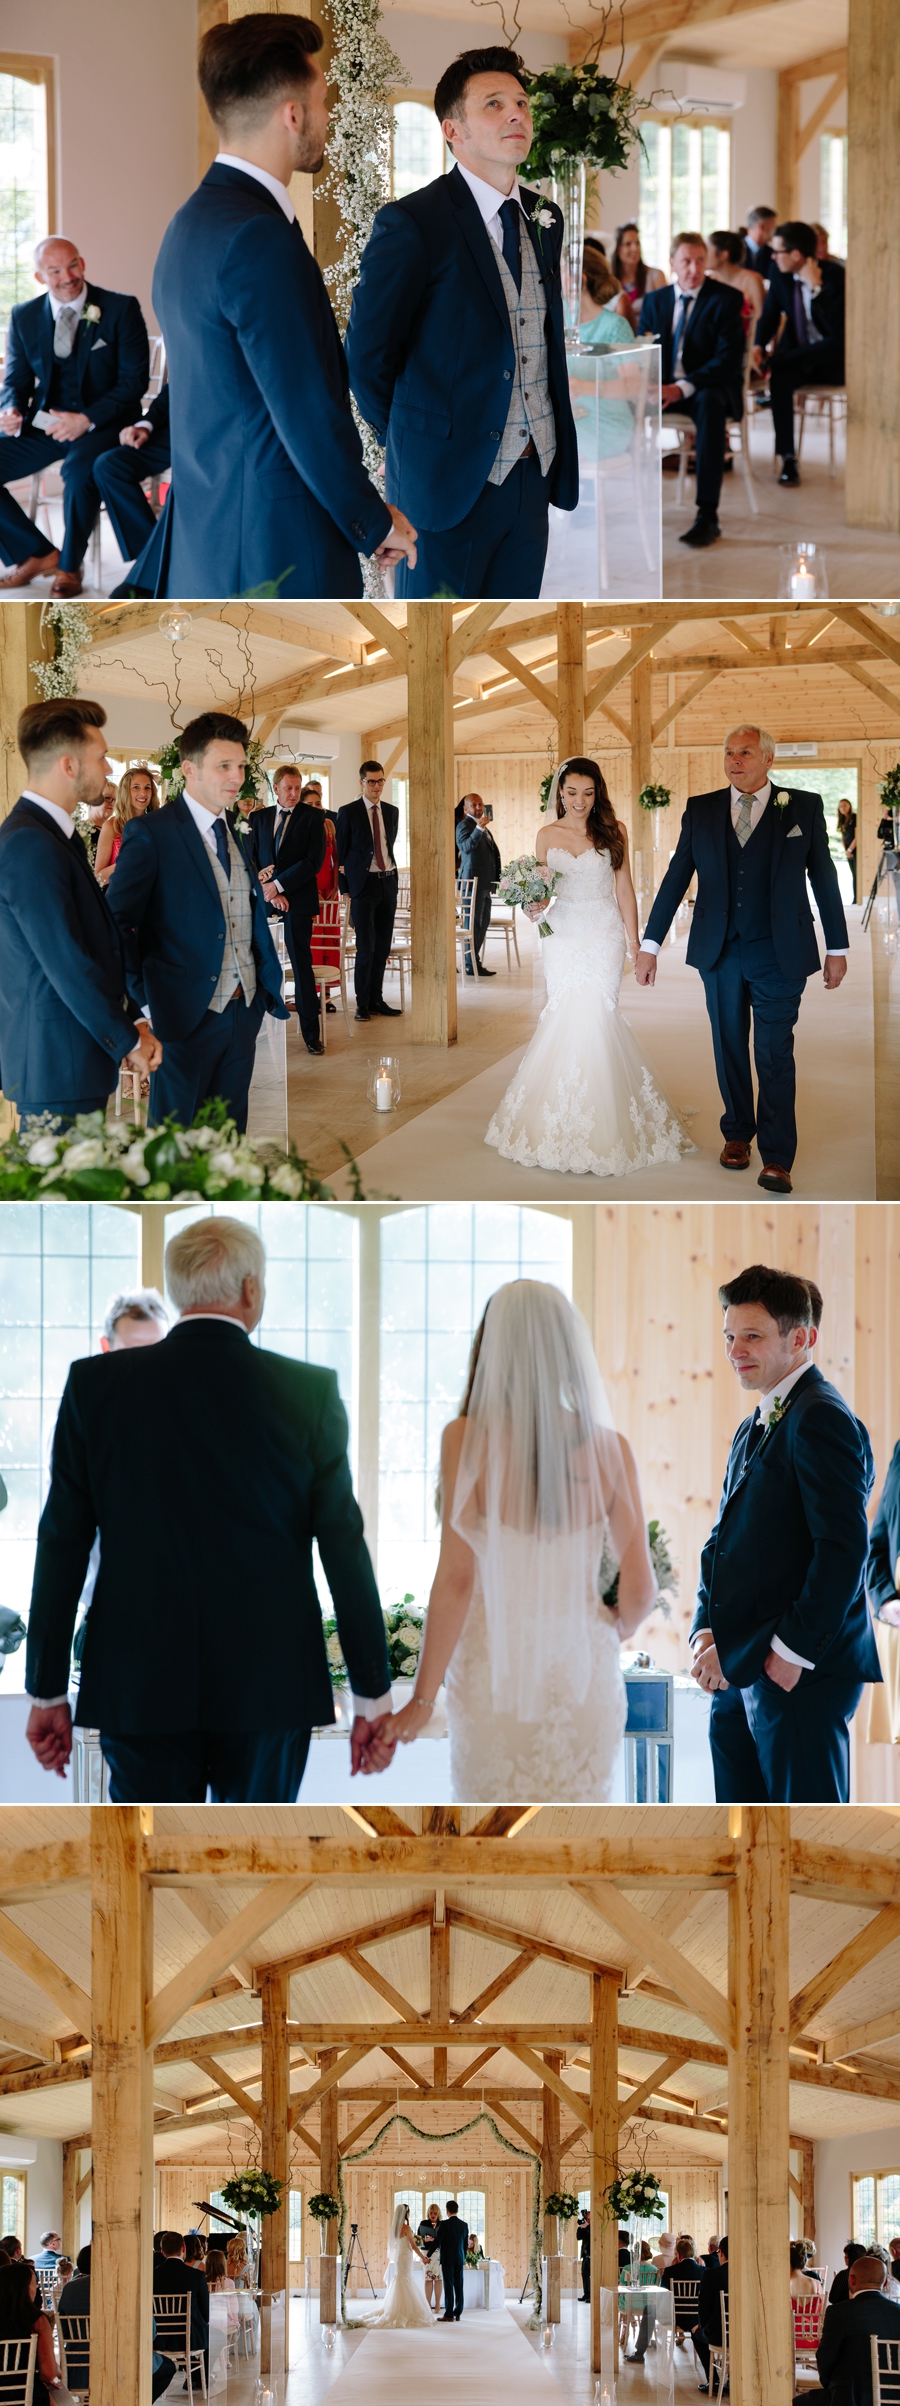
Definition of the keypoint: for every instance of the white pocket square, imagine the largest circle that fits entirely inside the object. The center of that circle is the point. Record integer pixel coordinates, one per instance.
(99, 345)
(793, 831)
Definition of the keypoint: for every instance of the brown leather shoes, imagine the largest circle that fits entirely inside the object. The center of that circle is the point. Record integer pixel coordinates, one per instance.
(776, 1180)
(68, 583)
(24, 571)
(735, 1155)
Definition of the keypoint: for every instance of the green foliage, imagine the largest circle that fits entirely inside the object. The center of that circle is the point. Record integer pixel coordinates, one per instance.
(404, 1628)
(323, 2207)
(563, 2203)
(889, 789)
(105, 1161)
(664, 1567)
(256, 2193)
(579, 113)
(654, 797)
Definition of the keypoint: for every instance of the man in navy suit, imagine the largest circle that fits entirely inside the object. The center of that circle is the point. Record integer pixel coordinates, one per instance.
(884, 1549)
(802, 326)
(268, 482)
(66, 1023)
(197, 942)
(366, 832)
(77, 363)
(700, 328)
(289, 848)
(143, 450)
(782, 1638)
(844, 2353)
(457, 353)
(753, 939)
(453, 2239)
(760, 228)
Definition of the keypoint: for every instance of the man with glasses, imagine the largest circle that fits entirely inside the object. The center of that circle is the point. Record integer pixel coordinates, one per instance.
(801, 329)
(366, 834)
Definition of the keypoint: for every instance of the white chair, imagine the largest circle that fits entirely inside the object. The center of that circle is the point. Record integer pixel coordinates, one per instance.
(172, 2313)
(824, 400)
(808, 2315)
(47, 2285)
(400, 955)
(348, 952)
(502, 923)
(687, 433)
(157, 376)
(885, 2372)
(685, 2292)
(327, 925)
(465, 895)
(718, 2354)
(17, 2362)
(74, 2352)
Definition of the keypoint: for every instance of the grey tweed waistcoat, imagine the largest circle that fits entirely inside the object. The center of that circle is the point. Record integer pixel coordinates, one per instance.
(238, 965)
(530, 405)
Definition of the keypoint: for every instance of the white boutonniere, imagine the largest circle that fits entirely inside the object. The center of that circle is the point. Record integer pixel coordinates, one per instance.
(781, 801)
(92, 314)
(542, 220)
(777, 1413)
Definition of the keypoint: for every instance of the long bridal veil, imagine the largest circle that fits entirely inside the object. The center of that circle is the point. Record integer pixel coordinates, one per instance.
(400, 2213)
(542, 1492)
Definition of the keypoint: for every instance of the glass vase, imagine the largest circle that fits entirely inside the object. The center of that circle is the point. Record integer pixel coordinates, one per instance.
(568, 188)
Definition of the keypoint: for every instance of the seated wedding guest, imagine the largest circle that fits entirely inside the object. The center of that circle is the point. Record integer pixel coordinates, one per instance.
(64, 2269)
(700, 328)
(326, 942)
(246, 1740)
(687, 2267)
(760, 229)
(13, 2246)
(665, 2253)
(75, 2298)
(707, 2330)
(801, 2284)
(289, 846)
(801, 331)
(120, 474)
(604, 315)
(840, 2287)
(49, 2252)
(137, 793)
(712, 2253)
(367, 871)
(847, 833)
(195, 2249)
(193, 919)
(238, 2261)
(173, 2276)
(21, 2315)
(727, 264)
(844, 2353)
(822, 246)
(66, 1024)
(77, 361)
(480, 859)
(605, 426)
(630, 271)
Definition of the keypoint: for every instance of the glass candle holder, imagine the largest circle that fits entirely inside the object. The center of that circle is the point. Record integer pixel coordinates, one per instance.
(383, 1087)
(802, 572)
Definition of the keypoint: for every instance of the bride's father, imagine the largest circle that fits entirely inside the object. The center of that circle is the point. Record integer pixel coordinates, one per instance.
(268, 482)
(752, 847)
(187, 1690)
(781, 1635)
(456, 349)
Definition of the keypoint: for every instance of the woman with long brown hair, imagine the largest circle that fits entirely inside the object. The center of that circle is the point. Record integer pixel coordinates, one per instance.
(629, 266)
(137, 793)
(584, 1099)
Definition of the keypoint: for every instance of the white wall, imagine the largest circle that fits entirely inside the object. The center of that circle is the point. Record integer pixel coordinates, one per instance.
(426, 45)
(836, 2160)
(43, 2207)
(126, 124)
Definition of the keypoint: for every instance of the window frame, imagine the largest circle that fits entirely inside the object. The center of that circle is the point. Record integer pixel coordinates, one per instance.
(31, 67)
(875, 2174)
(697, 121)
(424, 99)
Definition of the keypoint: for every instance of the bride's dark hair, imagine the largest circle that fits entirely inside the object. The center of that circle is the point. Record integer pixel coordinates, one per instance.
(601, 823)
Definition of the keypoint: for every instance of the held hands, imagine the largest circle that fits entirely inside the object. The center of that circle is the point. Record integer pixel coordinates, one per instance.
(148, 1051)
(67, 424)
(645, 968)
(784, 1674)
(409, 1724)
(706, 1667)
(891, 1612)
(835, 968)
(135, 436)
(400, 544)
(49, 1733)
(372, 1743)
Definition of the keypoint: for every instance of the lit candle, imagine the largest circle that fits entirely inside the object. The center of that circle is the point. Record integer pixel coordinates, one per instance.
(803, 583)
(384, 1091)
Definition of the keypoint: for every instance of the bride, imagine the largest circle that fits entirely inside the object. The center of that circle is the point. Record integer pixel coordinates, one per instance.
(542, 1514)
(405, 2307)
(584, 1098)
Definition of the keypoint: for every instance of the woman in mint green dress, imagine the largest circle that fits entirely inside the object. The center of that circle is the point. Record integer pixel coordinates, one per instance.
(604, 319)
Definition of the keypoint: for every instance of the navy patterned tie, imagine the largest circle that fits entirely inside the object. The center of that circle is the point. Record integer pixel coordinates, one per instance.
(510, 214)
(221, 843)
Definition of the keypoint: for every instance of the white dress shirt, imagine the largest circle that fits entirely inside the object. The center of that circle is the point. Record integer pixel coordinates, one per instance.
(757, 806)
(204, 820)
(270, 183)
(490, 202)
(766, 1405)
(678, 375)
(61, 818)
(375, 812)
(79, 304)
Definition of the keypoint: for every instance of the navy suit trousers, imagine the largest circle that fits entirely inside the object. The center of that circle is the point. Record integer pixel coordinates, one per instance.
(709, 410)
(771, 1747)
(119, 475)
(372, 913)
(452, 2268)
(817, 363)
(496, 553)
(216, 1060)
(28, 455)
(237, 1766)
(746, 979)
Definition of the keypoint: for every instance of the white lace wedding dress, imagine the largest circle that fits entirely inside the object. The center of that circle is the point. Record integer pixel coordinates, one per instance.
(405, 2307)
(584, 1099)
(568, 1756)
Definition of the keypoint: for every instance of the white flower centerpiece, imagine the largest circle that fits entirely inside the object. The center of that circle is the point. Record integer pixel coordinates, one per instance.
(95, 1160)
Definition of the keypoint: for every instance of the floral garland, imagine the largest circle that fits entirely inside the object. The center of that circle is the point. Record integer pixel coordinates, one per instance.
(96, 1160)
(366, 72)
(72, 628)
(446, 2138)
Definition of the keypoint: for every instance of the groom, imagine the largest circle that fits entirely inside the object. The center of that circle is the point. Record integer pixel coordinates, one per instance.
(781, 1635)
(456, 349)
(752, 938)
(453, 2239)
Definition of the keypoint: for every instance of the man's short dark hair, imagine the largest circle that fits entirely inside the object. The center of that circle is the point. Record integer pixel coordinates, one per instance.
(798, 236)
(83, 2258)
(853, 2250)
(450, 91)
(247, 67)
(371, 768)
(171, 2243)
(47, 728)
(817, 1301)
(755, 215)
(452, 2205)
(723, 2247)
(786, 1299)
(212, 727)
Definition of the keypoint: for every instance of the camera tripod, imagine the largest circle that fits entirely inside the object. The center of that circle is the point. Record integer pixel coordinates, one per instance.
(356, 2244)
(888, 866)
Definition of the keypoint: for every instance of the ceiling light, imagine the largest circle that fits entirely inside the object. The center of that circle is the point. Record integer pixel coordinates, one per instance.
(176, 624)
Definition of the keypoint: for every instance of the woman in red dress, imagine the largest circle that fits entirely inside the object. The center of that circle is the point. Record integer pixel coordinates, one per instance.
(326, 941)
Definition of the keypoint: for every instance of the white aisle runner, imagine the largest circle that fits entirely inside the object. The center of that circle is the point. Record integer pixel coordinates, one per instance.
(484, 2360)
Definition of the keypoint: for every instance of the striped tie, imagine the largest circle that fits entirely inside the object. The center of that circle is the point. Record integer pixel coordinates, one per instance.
(744, 828)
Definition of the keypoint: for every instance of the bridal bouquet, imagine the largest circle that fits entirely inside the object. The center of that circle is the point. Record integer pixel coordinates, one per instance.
(526, 880)
(97, 1160)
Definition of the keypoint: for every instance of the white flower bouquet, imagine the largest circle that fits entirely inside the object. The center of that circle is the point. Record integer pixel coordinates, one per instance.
(526, 880)
(96, 1160)
(404, 1629)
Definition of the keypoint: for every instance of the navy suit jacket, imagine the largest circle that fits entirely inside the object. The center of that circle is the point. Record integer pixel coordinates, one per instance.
(713, 352)
(884, 1544)
(355, 849)
(453, 2239)
(702, 849)
(787, 1556)
(827, 307)
(65, 1019)
(268, 482)
(844, 2353)
(300, 854)
(164, 895)
(431, 351)
(112, 358)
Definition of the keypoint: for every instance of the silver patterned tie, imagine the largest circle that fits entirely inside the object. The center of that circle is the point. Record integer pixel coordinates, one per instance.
(64, 333)
(744, 828)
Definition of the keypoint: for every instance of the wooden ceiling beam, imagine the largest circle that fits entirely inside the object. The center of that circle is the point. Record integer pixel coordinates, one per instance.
(383, 1988)
(843, 1875)
(54, 1983)
(706, 677)
(372, 1934)
(467, 634)
(652, 2087)
(496, 1987)
(810, 2001)
(697, 1863)
(692, 1985)
(179, 1994)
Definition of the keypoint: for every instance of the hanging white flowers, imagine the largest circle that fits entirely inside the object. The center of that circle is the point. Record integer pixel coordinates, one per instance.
(366, 73)
(72, 630)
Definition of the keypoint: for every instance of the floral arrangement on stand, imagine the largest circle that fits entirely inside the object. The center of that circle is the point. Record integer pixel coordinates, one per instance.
(254, 2193)
(324, 2208)
(404, 1629)
(97, 1160)
(583, 121)
(71, 626)
(633, 2195)
(563, 2203)
(889, 793)
(654, 797)
(664, 1567)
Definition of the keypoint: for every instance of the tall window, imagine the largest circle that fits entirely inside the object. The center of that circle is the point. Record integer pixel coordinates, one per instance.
(311, 1283)
(685, 182)
(295, 2227)
(12, 2204)
(834, 784)
(60, 1266)
(27, 199)
(419, 151)
(876, 2207)
(833, 191)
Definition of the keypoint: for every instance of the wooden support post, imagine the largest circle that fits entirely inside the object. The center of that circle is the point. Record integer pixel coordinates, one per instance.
(431, 847)
(328, 2181)
(440, 1993)
(122, 2137)
(570, 679)
(275, 2148)
(604, 2142)
(21, 642)
(787, 150)
(70, 2169)
(760, 2350)
(873, 359)
(641, 775)
(550, 2181)
(807, 2189)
